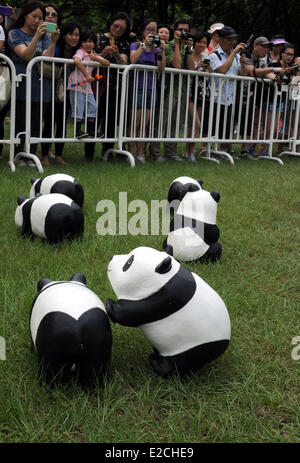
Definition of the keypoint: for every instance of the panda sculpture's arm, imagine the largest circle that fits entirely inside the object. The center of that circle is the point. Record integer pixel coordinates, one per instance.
(170, 298)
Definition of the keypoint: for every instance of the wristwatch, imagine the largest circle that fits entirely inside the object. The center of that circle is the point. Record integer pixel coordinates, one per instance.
(142, 45)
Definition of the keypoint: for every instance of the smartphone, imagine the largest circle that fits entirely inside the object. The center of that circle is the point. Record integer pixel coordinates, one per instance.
(50, 27)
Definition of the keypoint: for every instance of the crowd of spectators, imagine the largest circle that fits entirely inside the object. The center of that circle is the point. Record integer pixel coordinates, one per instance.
(181, 46)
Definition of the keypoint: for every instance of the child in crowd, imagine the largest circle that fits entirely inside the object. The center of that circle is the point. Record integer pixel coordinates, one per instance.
(81, 92)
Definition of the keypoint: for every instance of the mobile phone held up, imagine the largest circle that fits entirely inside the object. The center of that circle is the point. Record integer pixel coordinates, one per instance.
(50, 27)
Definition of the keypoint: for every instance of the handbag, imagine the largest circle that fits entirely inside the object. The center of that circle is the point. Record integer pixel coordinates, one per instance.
(5, 85)
(47, 70)
(59, 89)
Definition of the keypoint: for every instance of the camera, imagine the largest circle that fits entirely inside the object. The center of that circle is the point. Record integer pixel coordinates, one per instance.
(206, 61)
(50, 27)
(185, 36)
(155, 41)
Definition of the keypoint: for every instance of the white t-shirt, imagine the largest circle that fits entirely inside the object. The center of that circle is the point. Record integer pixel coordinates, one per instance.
(2, 35)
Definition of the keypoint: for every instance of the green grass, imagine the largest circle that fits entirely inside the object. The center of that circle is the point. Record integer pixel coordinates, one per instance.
(250, 394)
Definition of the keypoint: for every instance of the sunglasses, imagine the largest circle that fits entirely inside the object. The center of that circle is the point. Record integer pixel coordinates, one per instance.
(53, 14)
(182, 29)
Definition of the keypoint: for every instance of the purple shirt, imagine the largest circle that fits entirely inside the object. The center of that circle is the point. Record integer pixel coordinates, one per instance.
(147, 58)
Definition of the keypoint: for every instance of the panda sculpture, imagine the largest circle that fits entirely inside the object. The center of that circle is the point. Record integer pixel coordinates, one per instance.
(184, 319)
(193, 231)
(70, 331)
(53, 217)
(58, 183)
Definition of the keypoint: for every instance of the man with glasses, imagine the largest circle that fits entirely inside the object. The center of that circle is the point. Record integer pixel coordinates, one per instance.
(257, 66)
(176, 57)
(226, 59)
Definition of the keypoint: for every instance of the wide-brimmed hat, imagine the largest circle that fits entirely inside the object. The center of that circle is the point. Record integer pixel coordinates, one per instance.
(215, 27)
(262, 41)
(227, 32)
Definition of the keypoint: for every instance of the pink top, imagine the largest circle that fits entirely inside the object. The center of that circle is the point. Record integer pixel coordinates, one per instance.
(77, 76)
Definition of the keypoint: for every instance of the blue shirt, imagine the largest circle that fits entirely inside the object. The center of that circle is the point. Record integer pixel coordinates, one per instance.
(217, 61)
(18, 37)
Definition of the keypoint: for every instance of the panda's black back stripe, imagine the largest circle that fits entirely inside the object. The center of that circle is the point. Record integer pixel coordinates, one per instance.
(208, 232)
(37, 186)
(168, 300)
(26, 211)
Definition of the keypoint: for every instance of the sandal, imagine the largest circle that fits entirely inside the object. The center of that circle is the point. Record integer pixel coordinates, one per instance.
(59, 160)
(46, 161)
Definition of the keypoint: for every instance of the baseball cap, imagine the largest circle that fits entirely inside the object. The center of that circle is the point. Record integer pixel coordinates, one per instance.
(227, 32)
(279, 41)
(215, 27)
(262, 41)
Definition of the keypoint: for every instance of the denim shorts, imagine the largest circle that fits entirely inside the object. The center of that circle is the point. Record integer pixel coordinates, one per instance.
(81, 100)
(141, 95)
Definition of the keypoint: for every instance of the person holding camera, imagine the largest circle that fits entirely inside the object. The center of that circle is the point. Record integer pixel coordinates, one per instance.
(177, 52)
(257, 66)
(228, 60)
(150, 51)
(27, 38)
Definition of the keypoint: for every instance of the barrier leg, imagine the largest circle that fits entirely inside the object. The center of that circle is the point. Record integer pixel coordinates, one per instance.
(128, 155)
(33, 158)
(208, 157)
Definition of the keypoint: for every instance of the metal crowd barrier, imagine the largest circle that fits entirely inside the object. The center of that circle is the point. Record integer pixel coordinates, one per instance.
(166, 107)
(12, 140)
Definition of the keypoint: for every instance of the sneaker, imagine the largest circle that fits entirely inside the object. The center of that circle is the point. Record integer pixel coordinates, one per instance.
(21, 163)
(190, 157)
(30, 164)
(234, 156)
(81, 134)
(244, 154)
(141, 159)
(251, 152)
(159, 159)
(174, 158)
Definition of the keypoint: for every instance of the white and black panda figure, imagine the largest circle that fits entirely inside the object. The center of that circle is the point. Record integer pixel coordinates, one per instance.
(184, 319)
(58, 183)
(181, 186)
(54, 217)
(70, 331)
(193, 231)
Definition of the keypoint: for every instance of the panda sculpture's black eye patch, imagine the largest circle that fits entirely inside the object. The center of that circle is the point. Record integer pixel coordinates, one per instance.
(128, 263)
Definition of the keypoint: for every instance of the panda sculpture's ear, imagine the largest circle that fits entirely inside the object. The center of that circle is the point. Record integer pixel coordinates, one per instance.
(78, 277)
(216, 195)
(200, 181)
(169, 249)
(33, 180)
(43, 282)
(21, 200)
(165, 266)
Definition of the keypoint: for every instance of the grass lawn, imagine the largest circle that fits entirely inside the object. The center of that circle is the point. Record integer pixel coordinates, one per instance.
(250, 394)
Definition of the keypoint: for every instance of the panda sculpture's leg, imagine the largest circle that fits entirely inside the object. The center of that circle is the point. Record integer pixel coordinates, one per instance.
(163, 366)
(58, 346)
(213, 253)
(96, 339)
(189, 360)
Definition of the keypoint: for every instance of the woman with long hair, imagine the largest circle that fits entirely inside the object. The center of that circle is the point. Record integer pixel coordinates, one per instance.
(27, 38)
(146, 53)
(66, 47)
